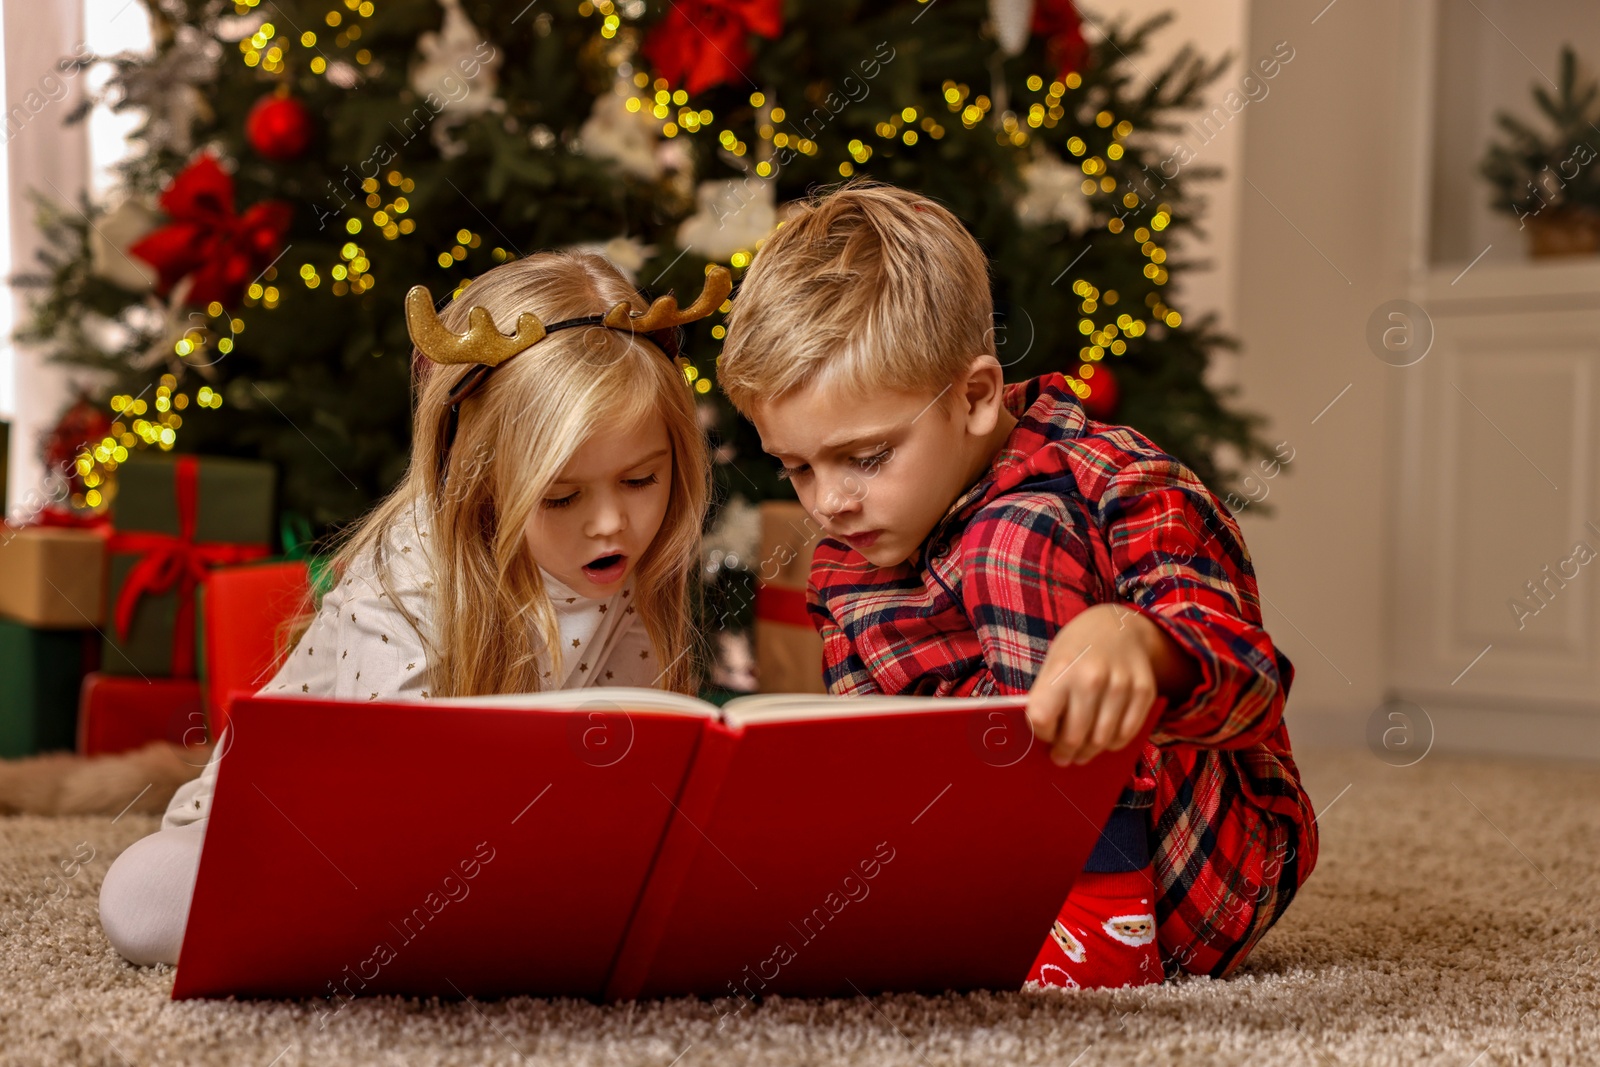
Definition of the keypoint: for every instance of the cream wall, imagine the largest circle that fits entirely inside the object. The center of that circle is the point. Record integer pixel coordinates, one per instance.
(1215, 28)
(1325, 235)
(1307, 235)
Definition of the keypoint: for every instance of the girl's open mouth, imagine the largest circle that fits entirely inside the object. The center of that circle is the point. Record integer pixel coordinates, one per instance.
(606, 569)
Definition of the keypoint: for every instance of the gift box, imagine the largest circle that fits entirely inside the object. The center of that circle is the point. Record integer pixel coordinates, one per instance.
(53, 577)
(788, 647)
(40, 671)
(176, 518)
(119, 713)
(248, 612)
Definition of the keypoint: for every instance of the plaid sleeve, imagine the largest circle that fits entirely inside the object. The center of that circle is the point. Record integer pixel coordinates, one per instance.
(842, 668)
(1180, 559)
(1235, 840)
(1027, 567)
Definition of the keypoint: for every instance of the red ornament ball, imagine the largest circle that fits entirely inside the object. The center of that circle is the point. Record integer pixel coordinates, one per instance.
(83, 425)
(1101, 403)
(279, 128)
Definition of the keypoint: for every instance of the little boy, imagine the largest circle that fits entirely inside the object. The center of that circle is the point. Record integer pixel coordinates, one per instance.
(985, 538)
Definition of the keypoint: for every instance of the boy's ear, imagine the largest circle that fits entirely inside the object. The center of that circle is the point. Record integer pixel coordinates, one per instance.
(982, 388)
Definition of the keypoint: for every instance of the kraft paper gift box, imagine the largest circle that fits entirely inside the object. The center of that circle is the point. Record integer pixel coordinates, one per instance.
(53, 577)
(788, 647)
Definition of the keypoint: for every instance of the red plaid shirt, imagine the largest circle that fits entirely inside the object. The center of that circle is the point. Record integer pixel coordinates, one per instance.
(1072, 513)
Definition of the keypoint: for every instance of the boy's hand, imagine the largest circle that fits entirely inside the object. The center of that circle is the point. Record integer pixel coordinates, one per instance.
(1099, 680)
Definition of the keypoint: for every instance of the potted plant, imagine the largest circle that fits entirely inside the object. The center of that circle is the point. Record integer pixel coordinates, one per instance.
(1550, 179)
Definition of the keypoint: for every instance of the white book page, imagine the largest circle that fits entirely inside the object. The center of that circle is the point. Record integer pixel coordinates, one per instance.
(793, 707)
(740, 711)
(597, 698)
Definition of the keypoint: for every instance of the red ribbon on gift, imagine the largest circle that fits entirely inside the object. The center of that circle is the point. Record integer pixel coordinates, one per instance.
(176, 563)
(777, 604)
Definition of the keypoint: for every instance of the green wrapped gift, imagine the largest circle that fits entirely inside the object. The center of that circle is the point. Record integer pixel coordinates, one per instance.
(40, 675)
(176, 517)
(294, 531)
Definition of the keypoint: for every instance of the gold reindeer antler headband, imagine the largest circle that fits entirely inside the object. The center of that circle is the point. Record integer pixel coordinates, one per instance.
(484, 346)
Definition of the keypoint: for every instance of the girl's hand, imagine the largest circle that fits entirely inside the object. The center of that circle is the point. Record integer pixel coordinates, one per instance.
(1099, 680)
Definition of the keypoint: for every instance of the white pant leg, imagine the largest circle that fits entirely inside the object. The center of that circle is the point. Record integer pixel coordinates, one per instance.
(144, 900)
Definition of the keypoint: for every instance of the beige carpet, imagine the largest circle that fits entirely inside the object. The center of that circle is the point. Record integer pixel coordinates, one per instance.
(1451, 920)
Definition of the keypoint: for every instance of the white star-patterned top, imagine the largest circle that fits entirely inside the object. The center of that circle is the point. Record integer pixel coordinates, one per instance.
(360, 646)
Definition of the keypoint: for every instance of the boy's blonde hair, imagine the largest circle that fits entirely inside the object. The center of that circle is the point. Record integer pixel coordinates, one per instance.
(491, 614)
(867, 288)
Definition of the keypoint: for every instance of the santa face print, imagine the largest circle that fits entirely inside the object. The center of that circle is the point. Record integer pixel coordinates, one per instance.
(1050, 974)
(1071, 947)
(1131, 929)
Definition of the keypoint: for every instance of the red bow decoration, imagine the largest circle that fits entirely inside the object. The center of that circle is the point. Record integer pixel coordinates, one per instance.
(60, 518)
(175, 563)
(222, 251)
(702, 43)
(1057, 21)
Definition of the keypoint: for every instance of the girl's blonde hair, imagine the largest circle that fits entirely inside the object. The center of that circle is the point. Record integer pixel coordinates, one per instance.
(492, 617)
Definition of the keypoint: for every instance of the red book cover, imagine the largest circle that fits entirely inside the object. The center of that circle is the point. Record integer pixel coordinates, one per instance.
(679, 847)
(622, 843)
(910, 845)
(412, 848)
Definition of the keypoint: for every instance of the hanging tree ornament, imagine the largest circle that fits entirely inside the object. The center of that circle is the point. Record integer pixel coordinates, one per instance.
(626, 138)
(167, 323)
(75, 489)
(733, 215)
(455, 75)
(1104, 393)
(1059, 23)
(703, 43)
(1011, 20)
(166, 88)
(1052, 192)
(280, 127)
(116, 229)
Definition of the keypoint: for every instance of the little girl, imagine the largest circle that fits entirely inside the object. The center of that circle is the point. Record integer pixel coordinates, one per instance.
(543, 537)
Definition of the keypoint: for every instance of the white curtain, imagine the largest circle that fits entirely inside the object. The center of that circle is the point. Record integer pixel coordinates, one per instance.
(40, 154)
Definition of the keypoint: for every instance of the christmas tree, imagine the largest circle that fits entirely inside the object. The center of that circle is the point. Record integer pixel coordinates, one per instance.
(303, 164)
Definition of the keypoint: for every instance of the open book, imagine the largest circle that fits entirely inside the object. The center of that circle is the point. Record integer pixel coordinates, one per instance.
(618, 843)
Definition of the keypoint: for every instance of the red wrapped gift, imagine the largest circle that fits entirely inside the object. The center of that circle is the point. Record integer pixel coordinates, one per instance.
(247, 614)
(119, 712)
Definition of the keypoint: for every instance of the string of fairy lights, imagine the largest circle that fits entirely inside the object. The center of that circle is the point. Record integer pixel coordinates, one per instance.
(908, 125)
(154, 423)
(1104, 327)
(265, 49)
